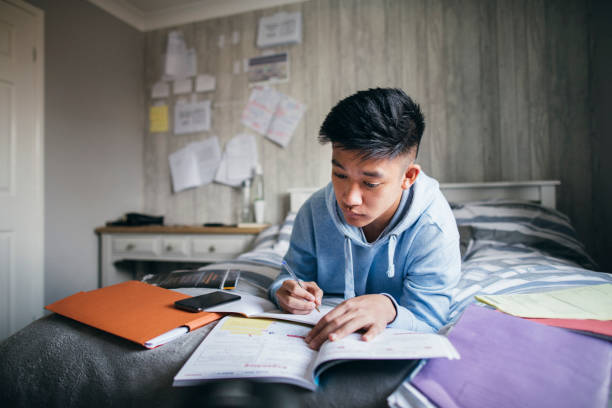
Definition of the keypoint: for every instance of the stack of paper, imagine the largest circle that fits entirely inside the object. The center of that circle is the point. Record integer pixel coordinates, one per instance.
(584, 308)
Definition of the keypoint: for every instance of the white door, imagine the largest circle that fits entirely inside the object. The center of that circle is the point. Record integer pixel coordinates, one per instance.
(21, 166)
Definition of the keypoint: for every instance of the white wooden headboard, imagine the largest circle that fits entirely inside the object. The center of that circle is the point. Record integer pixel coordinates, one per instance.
(540, 191)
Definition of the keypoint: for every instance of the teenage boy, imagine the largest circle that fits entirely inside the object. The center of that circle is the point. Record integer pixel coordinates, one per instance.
(381, 233)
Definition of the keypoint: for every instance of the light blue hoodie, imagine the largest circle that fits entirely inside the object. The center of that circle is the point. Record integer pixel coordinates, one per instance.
(415, 260)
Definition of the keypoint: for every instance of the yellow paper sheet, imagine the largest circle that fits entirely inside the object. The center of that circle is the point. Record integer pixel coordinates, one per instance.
(158, 118)
(583, 302)
(240, 325)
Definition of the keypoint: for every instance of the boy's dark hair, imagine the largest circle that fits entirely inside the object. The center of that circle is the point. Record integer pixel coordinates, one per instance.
(379, 123)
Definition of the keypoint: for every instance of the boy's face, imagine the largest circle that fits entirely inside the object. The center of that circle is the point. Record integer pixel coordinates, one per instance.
(369, 191)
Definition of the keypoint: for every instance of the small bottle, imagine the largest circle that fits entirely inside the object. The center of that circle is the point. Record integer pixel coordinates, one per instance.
(245, 212)
(258, 194)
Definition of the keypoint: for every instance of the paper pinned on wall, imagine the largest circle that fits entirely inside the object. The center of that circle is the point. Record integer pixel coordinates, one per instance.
(195, 164)
(285, 121)
(180, 62)
(280, 28)
(184, 170)
(158, 119)
(272, 114)
(208, 157)
(182, 86)
(205, 83)
(190, 117)
(260, 108)
(239, 159)
(160, 89)
(271, 68)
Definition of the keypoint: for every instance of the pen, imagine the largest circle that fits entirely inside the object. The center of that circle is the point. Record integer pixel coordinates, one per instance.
(295, 278)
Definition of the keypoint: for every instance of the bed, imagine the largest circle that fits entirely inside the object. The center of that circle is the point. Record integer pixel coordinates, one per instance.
(515, 243)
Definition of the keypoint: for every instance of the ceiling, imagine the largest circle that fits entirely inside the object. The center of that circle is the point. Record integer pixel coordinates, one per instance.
(146, 15)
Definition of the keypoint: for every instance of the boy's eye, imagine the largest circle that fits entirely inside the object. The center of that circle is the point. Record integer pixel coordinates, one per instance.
(340, 176)
(371, 185)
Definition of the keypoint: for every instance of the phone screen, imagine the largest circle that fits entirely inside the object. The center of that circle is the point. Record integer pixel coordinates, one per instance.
(199, 303)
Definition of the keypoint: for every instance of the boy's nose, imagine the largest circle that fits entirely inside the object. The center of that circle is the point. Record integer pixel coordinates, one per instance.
(352, 197)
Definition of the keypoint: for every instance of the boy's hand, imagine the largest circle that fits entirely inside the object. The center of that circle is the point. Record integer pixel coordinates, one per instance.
(369, 312)
(294, 299)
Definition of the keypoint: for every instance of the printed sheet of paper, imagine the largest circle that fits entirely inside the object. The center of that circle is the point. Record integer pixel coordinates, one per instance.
(205, 83)
(279, 28)
(285, 121)
(239, 159)
(158, 119)
(268, 68)
(260, 108)
(268, 348)
(272, 114)
(182, 86)
(190, 117)
(584, 302)
(160, 89)
(195, 164)
(208, 156)
(180, 62)
(183, 170)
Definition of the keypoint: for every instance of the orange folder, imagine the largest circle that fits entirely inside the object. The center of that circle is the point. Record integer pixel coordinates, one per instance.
(133, 310)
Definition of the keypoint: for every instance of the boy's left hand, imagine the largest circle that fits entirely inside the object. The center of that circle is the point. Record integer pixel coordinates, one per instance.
(370, 312)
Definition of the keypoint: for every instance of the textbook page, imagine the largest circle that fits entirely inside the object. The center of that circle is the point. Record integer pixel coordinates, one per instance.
(274, 350)
(391, 344)
(251, 348)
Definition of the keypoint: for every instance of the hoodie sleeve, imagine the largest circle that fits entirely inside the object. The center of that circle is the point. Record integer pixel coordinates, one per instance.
(431, 273)
(301, 253)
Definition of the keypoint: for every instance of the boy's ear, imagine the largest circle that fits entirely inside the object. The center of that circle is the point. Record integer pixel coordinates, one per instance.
(410, 176)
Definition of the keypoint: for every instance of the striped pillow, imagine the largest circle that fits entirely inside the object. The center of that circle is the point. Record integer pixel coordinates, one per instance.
(523, 223)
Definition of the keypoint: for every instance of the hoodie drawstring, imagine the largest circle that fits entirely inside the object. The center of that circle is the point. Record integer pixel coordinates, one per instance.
(349, 278)
(391, 255)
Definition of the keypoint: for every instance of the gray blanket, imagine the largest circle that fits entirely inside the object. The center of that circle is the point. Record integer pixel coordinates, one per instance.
(58, 362)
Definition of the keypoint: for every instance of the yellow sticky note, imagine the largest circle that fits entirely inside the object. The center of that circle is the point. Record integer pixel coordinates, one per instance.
(239, 325)
(158, 118)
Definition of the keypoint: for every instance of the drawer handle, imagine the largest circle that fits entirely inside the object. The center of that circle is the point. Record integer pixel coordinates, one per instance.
(211, 248)
(169, 248)
(129, 247)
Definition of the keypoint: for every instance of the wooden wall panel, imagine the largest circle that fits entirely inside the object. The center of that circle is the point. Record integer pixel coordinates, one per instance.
(503, 85)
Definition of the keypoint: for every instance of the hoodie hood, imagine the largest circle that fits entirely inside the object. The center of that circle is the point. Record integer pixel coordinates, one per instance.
(413, 203)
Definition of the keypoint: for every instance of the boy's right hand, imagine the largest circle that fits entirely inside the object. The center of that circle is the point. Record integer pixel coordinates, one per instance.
(294, 299)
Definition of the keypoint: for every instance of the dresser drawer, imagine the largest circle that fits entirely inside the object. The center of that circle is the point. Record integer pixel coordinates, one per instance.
(135, 245)
(175, 246)
(226, 245)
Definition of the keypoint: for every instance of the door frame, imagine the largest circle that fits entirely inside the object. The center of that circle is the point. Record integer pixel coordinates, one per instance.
(37, 111)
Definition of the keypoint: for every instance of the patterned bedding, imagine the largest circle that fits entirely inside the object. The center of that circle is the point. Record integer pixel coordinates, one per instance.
(57, 362)
(507, 247)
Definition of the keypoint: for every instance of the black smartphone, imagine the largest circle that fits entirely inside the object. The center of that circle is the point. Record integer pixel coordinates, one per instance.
(199, 303)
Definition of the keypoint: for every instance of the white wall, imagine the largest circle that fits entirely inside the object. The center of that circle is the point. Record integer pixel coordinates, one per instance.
(94, 127)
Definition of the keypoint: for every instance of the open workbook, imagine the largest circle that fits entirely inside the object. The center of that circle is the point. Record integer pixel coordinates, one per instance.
(275, 351)
(255, 306)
